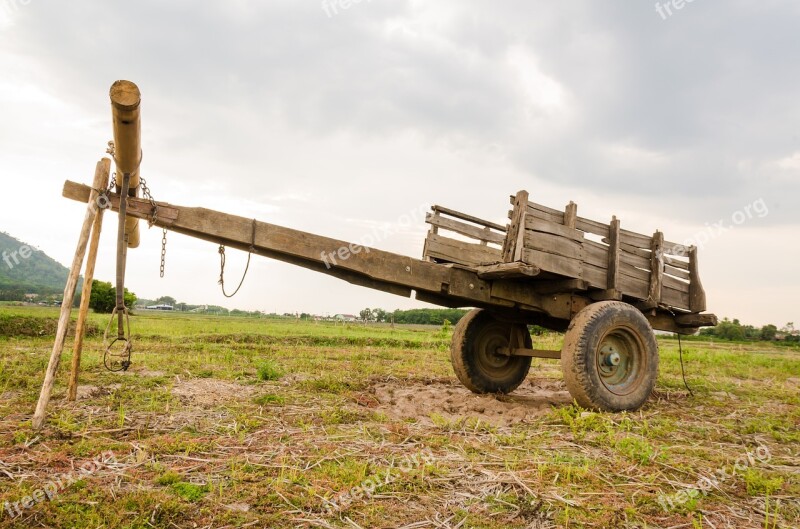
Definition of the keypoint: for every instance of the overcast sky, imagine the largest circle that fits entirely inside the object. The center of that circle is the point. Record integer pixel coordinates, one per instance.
(339, 117)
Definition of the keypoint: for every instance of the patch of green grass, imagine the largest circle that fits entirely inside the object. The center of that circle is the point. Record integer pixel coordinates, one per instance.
(759, 483)
(270, 399)
(636, 449)
(268, 370)
(169, 477)
(191, 492)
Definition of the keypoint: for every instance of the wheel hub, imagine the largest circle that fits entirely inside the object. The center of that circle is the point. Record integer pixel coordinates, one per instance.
(619, 361)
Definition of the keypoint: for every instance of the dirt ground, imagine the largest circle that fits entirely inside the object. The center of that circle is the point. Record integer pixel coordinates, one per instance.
(420, 401)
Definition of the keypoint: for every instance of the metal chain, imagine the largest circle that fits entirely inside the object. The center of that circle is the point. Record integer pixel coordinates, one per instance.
(221, 250)
(113, 184)
(154, 207)
(153, 217)
(163, 250)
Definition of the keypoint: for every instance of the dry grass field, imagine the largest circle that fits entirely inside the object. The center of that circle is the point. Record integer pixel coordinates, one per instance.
(236, 422)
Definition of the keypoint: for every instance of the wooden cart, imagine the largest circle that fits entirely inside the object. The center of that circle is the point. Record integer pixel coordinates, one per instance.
(607, 287)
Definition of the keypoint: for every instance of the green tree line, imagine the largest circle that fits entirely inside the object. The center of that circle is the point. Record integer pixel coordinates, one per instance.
(735, 331)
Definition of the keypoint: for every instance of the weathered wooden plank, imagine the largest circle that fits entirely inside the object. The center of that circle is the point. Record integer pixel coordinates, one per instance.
(565, 266)
(677, 263)
(554, 263)
(677, 272)
(625, 247)
(557, 286)
(454, 251)
(635, 260)
(591, 226)
(633, 271)
(676, 284)
(507, 270)
(676, 249)
(609, 294)
(468, 218)
(675, 298)
(613, 253)
(554, 244)
(696, 320)
(136, 207)
(546, 226)
(516, 225)
(697, 296)
(557, 217)
(552, 212)
(595, 253)
(482, 234)
(636, 239)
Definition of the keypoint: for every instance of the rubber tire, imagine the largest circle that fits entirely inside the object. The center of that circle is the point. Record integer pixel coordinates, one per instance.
(466, 359)
(582, 342)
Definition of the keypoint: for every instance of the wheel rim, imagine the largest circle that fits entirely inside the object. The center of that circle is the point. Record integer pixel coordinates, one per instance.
(487, 343)
(621, 360)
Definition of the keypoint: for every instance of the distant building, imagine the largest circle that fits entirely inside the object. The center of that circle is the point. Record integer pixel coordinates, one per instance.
(345, 317)
(162, 306)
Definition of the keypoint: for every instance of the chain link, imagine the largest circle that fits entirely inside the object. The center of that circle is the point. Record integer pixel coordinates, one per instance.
(163, 250)
(113, 184)
(154, 207)
(153, 217)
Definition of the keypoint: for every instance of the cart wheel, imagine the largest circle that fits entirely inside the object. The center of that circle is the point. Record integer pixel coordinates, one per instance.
(473, 352)
(610, 357)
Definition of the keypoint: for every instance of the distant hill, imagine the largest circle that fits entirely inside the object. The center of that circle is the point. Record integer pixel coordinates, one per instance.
(26, 270)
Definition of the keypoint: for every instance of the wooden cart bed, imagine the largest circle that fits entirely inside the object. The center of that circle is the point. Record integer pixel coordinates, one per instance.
(542, 243)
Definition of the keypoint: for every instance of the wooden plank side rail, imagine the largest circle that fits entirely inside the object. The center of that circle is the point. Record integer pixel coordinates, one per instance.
(623, 263)
(488, 239)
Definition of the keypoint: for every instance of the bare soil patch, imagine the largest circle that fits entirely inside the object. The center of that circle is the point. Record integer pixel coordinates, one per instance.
(206, 392)
(419, 401)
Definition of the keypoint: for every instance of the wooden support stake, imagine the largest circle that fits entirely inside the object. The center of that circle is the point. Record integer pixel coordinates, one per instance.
(86, 292)
(100, 176)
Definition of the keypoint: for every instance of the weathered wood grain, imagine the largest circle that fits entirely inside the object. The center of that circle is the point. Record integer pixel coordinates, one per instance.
(546, 226)
(517, 223)
(481, 234)
(469, 218)
(697, 295)
(126, 121)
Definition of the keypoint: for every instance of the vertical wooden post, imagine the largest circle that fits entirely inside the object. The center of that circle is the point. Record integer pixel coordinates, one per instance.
(100, 175)
(656, 268)
(570, 215)
(516, 229)
(697, 296)
(613, 256)
(86, 293)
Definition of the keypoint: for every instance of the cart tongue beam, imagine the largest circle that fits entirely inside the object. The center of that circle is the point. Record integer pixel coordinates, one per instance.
(445, 285)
